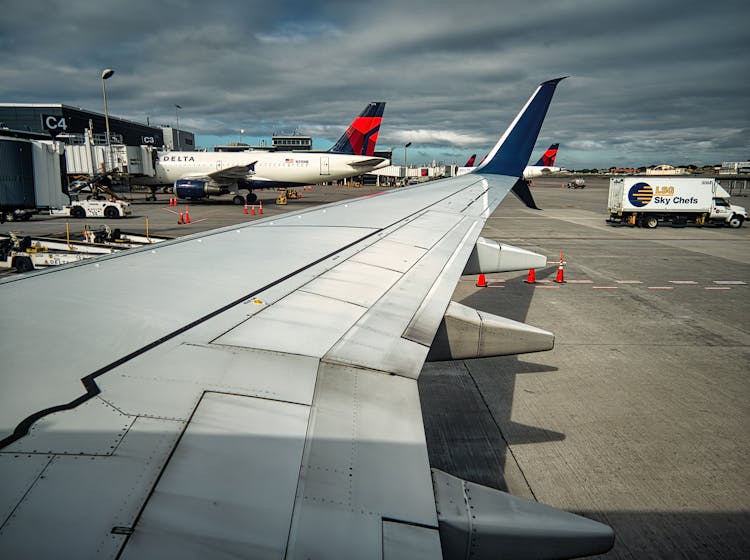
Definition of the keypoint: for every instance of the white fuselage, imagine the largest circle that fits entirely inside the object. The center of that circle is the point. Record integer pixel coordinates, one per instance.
(276, 167)
(532, 171)
(528, 173)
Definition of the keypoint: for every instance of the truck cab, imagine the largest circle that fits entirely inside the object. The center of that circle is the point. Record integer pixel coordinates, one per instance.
(730, 214)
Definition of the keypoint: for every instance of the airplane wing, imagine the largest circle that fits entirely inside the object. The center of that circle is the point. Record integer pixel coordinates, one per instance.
(265, 405)
(227, 174)
(365, 162)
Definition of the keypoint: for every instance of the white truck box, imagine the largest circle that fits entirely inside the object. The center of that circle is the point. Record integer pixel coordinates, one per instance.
(648, 200)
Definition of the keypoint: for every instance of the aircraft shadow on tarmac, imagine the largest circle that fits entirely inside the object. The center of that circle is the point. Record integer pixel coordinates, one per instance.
(469, 429)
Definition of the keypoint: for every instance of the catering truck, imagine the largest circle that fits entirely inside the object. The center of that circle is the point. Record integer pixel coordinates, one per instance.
(649, 201)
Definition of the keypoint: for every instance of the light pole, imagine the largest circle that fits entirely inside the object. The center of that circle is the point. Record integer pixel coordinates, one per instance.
(177, 118)
(106, 74)
(242, 131)
(406, 173)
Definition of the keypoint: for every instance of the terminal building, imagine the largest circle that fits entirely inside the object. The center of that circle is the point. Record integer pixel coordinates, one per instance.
(69, 124)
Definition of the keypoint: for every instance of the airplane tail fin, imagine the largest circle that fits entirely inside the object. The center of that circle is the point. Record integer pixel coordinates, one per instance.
(361, 136)
(511, 153)
(548, 157)
(471, 160)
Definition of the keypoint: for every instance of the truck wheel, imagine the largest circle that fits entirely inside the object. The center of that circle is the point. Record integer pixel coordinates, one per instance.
(23, 264)
(736, 221)
(651, 222)
(77, 212)
(237, 200)
(111, 212)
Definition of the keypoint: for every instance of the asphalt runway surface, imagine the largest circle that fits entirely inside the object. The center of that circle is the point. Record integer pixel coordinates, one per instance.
(638, 417)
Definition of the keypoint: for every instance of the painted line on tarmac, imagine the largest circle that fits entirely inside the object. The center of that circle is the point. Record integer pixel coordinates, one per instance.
(732, 282)
(683, 282)
(717, 288)
(628, 281)
(605, 288)
(661, 287)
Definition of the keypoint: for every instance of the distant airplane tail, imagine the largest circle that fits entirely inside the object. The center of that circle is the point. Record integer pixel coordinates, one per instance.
(361, 136)
(548, 158)
(471, 160)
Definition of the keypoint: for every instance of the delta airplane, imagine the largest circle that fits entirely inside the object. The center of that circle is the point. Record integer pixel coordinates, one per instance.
(541, 167)
(201, 174)
(544, 165)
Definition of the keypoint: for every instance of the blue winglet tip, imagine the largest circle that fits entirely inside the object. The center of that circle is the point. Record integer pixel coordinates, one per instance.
(555, 81)
(511, 153)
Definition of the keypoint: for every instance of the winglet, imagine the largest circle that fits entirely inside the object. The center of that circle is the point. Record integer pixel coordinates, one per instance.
(361, 136)
(510, 155)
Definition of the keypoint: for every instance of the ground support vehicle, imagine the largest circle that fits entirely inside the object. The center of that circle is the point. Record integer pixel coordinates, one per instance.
(649, 201)
(94, 208)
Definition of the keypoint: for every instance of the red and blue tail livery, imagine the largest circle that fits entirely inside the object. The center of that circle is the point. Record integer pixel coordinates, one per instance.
(470, 161)
(548, 157)
(362, 135)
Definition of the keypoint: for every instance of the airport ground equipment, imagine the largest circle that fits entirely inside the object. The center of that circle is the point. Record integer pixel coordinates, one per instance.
(576, 183)
(25, 255)
(109, 208)
(649, 201)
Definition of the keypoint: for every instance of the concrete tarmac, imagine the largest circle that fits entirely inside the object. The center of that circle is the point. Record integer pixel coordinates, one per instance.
(638, 417)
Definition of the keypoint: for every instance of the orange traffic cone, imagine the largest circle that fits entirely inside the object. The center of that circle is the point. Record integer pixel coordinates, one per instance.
(252, 210)
(245, 210)
(260, 210)
(187, 215)
(180, 220)
(481, 281)
(560, 276)
(531, 278)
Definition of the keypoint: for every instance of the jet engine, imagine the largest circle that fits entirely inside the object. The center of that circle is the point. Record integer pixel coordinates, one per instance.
(196, 188)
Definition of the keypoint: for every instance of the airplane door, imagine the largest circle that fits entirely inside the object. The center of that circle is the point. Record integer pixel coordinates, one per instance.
(325, 168)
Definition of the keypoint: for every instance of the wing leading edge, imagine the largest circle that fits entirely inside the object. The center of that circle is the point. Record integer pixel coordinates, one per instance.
(264, 420)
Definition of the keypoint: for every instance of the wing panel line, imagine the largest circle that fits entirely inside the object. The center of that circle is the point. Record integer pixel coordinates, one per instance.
(89, 383)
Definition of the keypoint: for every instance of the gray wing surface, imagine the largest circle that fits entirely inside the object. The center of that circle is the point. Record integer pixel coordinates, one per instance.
(265, 405)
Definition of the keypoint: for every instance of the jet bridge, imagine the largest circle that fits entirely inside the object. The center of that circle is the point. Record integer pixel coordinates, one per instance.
(88, 159)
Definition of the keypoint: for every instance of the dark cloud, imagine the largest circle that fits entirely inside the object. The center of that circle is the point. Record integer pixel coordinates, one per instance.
(650, 81)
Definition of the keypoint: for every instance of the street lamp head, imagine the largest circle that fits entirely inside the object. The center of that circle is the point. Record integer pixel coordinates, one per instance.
(107, 73)
(407, 144)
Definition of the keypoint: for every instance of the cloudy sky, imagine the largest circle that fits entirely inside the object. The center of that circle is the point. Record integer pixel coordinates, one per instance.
(651, 81)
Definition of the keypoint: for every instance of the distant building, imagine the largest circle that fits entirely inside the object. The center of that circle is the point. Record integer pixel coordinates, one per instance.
(734, 168)
(279, 143)
(665, 169)
(292, 142)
